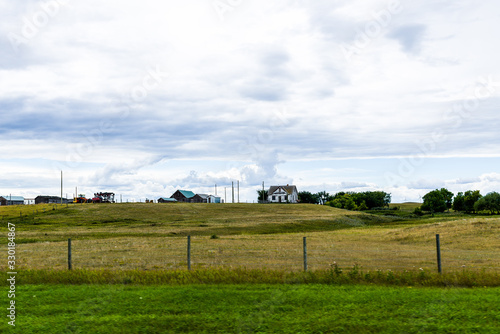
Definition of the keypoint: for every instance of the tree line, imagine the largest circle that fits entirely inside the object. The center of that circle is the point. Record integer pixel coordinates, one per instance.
(348, 200)
(471, 201)
(436, 201)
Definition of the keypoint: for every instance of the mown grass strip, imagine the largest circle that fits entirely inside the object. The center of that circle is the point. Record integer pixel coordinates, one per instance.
(254, 308)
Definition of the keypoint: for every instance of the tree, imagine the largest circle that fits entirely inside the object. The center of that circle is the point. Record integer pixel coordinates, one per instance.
(262, 195)
(307, 197)
(448, 197)
(323, 197)
(490, 202)
(375, 199)
(434, 201)
(459, 202)
(343, 201)
(470, 198)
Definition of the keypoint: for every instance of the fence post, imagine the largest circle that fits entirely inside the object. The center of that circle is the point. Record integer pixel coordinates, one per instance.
(305, 253)
(69, 254)
(438, 249)
(189, 252)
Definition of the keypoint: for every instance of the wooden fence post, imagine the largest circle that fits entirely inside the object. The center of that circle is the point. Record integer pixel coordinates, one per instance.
(69, 254)
(438, 249)
(305, 253)
(189, 253)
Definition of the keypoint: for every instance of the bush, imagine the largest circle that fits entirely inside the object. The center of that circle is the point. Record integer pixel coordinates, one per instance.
(418, 211)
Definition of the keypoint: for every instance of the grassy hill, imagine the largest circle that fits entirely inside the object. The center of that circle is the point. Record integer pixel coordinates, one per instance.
(181, 219)
(153, 236)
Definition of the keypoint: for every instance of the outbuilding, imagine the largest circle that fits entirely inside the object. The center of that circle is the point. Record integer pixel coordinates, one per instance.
(12, 200)
(183, 196)
(167, 200)
(50, 200)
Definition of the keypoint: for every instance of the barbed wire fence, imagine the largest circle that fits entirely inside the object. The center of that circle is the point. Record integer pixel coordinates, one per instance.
(293, 254)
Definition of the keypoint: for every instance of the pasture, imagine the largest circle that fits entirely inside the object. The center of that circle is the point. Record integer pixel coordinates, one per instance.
(366, 273)
(153, 236)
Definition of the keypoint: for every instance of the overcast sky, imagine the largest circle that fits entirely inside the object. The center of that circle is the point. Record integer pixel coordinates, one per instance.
(145, 97)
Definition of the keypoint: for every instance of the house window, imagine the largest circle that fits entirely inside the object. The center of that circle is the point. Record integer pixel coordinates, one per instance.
(274, 198)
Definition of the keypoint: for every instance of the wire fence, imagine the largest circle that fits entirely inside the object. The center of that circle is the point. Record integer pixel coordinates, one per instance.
(292, 253)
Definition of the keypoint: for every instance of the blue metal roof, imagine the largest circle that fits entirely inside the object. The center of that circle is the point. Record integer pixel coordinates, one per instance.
(13, 198)
(168, 199)
(187, 193)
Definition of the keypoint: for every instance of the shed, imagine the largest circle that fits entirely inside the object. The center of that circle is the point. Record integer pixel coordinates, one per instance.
(200, 198)
(167, 200)
(13, 200)
(50, 200)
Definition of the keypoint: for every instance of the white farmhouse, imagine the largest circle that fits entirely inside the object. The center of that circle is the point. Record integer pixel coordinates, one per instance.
(283, 194)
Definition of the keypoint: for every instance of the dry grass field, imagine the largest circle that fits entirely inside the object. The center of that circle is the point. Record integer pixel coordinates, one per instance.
(153, 236)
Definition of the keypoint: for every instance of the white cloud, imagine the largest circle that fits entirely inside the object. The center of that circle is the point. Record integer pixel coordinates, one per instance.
(82, 85)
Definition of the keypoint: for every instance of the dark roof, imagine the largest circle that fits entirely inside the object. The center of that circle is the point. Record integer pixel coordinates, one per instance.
(287, 188)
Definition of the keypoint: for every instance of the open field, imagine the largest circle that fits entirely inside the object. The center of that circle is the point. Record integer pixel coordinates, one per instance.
(366, 273)
(252, 308)
(153, 236)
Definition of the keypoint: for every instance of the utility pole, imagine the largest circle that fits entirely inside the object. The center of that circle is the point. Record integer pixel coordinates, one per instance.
(263, 198)
(238, 191)
(225, 197)
(216, 189)
(61, 187)
(232, 191)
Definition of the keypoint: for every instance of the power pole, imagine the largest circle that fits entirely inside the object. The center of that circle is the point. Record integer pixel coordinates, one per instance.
(232, 191)
(263, 198)
(238, 191)
(225, 197)
(61, 187)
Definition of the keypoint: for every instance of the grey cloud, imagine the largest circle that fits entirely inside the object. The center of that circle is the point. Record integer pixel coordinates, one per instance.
(350, 185)
(409, 36)
(427, 184)
(264, 91)
(468, 180)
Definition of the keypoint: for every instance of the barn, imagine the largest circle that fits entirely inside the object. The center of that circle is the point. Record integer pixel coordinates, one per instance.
(183, 196)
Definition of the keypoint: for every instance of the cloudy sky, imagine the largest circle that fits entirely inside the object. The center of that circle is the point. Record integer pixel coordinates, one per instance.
(145, 97)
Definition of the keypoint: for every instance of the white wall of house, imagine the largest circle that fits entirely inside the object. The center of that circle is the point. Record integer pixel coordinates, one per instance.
(280, 195)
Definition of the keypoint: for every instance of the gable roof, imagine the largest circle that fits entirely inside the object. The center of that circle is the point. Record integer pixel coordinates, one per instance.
(168, 199)
(186, 193)
(287, 188)
(204, 196)
(13, 198)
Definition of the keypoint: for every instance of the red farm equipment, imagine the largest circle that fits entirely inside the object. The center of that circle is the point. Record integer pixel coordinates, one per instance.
(104, 198)
(81, 199)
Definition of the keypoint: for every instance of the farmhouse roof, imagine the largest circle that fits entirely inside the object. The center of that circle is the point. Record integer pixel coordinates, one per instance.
(289, 189)
(204, 196)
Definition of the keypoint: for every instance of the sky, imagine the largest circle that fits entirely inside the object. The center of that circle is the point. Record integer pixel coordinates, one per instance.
(141, 98)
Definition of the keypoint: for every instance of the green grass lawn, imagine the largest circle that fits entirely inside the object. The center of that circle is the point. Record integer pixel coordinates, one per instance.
(249, 308)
